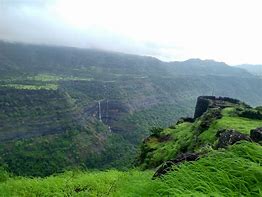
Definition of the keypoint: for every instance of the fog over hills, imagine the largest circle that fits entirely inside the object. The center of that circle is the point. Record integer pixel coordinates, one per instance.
(170, 30)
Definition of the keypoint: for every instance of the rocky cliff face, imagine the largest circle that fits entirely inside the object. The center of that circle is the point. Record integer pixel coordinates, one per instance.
(205, 102)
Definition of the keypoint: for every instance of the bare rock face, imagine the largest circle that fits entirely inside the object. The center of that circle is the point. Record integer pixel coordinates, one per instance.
(256, 134)
(230, 137)
(167, 166)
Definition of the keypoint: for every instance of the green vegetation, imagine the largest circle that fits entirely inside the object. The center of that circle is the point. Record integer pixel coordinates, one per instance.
(194, 137)
(233, 172)
(32, 87)
(50, 118)
(51, 77)
(230, 120)
(166, 145)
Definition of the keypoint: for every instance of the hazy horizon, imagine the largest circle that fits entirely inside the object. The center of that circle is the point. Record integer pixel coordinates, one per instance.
(168, 30)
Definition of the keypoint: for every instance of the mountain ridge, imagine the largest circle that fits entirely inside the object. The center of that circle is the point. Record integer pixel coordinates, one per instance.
(204, 64)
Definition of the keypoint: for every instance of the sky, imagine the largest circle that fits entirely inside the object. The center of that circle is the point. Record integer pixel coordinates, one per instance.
(172, 30)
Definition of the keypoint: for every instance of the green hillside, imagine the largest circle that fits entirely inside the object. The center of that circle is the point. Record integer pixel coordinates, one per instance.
(228, 165)
(90, 109)
(200, 134)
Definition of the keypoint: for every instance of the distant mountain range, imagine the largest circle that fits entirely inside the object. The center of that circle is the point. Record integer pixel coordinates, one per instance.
(254, 69)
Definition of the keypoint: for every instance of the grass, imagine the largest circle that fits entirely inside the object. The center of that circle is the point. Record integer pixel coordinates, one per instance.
(50, 77)
(229, 121)
(112, 183)
(233, 172)
(180, 137)
(185, 137)
(237, 172)
(49, 86)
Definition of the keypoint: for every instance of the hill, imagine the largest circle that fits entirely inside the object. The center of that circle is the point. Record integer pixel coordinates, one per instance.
(217, 123)
(254, 69)
(83, 108)
(225, 135)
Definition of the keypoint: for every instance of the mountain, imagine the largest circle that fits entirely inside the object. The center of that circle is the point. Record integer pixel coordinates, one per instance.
(217, 152)
(206, 67)
(83, 108)
(254, 69)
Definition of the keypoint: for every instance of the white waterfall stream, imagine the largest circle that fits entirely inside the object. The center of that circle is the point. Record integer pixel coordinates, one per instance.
(100, 114)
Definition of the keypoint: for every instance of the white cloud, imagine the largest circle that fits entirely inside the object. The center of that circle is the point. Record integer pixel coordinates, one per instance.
(225, 30)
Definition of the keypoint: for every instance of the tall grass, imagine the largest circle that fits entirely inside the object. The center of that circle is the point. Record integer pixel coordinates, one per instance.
(233, 172)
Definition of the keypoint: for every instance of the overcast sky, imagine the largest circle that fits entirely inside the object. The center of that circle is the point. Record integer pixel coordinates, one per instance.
(224, 30)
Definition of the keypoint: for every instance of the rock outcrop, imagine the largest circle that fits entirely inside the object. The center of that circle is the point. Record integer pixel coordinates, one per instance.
(256, 134)
(229, 137)
(168, 165)
(206, 102)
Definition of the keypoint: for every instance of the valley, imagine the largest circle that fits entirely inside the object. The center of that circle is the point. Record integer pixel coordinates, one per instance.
(50, 99)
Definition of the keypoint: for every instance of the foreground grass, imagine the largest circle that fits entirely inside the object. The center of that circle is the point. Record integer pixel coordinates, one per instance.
(233, 172)
(236, 172)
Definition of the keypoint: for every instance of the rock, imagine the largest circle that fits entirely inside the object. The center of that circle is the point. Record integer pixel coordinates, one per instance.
(256, 134)
(208, 118)
(167, 166)
(185, 119)
(164, 138)
(206, 102)
(230, 137)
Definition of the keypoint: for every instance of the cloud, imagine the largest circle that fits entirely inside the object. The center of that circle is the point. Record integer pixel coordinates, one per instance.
(38, 22)
(169, 29)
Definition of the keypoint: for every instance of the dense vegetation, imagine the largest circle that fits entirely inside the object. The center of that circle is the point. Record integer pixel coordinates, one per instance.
(233, 172)
(197, 136)
(49, 104)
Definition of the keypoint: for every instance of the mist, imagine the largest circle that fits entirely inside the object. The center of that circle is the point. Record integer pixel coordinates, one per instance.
(170, 30)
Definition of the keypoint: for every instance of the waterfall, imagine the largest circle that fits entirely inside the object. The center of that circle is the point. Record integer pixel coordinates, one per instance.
(100, 115)
(99, 111)
(106, 111)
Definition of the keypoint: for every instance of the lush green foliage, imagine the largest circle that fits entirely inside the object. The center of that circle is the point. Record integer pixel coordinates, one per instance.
(49, 104)
(187, 136)
(233, 172)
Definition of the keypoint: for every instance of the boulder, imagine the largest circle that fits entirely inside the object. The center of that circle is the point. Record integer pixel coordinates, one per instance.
(185, 119)
(230, 137)
(168, 165)
(256, 134)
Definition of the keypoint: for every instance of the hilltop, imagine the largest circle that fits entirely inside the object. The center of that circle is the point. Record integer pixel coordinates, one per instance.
(217, 123)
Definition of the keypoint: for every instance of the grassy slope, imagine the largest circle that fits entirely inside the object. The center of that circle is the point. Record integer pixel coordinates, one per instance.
(233, 172)
(186, 137)
(230, 120)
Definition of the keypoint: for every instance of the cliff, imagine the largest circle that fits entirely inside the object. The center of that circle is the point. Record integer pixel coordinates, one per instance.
(218, 122)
